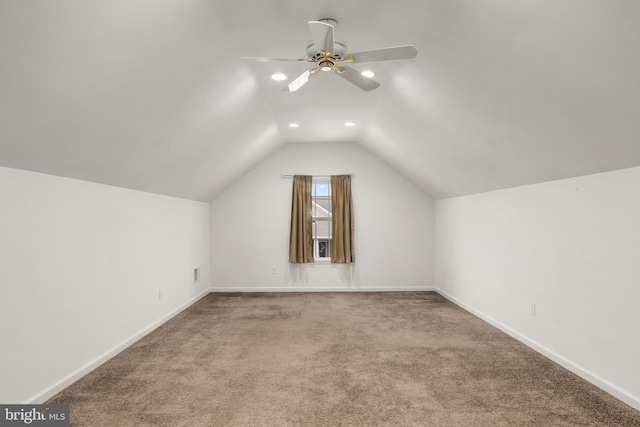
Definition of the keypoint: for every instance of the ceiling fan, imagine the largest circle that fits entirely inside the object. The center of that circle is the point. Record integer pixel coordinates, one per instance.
(330, 54)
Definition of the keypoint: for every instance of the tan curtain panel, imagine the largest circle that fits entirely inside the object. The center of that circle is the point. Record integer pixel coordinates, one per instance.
(343, 220)
(301, 240)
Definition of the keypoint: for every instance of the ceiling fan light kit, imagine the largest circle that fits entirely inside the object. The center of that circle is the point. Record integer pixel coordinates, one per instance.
(329, 54)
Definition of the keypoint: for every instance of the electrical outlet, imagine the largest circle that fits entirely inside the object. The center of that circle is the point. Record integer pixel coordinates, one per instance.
(274, 270)
(159, 293)
(196, 275)
(532, 308)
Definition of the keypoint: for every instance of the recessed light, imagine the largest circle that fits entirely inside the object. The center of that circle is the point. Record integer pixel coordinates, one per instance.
(293, 125)
(349, 124)
(278, 77)
(368, 73)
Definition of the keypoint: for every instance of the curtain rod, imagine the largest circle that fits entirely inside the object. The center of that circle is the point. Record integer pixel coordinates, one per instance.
(284, 176)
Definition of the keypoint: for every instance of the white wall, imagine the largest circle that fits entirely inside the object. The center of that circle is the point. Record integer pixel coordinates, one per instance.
(81, 266)
(250, 225)
(570, 246)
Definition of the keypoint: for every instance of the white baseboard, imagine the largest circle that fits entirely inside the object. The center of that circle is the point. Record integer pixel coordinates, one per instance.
(624, 396)
(324, 289)
(84, 370)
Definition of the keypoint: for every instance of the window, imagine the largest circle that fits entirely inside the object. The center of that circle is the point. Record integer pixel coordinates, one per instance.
(321, 222)
(314, 234)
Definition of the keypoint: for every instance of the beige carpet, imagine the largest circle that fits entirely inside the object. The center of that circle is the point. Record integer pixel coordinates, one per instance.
(334, 359)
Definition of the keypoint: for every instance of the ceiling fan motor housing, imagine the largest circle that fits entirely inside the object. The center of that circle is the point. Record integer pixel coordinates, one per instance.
(339, 51)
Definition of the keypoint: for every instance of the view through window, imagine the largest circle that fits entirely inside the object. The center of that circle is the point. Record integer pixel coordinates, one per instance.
(321, 217)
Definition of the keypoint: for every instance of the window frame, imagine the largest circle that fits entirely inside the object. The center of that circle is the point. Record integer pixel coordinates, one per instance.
(315, 219)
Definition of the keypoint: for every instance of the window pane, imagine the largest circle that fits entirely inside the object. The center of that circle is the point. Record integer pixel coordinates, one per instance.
(320, 189)
(323, 205)
(322, 229)
(322, 248)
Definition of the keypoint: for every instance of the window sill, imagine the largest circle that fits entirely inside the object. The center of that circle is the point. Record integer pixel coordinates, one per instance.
(322, 261)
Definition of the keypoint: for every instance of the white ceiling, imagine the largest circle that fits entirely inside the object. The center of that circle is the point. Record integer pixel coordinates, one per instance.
(152, 95)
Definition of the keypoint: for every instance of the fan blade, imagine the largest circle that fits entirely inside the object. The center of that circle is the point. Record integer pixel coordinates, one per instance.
(322, 35)
(262, 59)
(386, 54)
(300, 80)
(353, 76)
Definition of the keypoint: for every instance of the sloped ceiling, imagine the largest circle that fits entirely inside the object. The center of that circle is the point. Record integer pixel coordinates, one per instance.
(152, 95)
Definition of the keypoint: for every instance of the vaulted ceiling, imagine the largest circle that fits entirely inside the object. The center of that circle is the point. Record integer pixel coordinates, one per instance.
(153, 95)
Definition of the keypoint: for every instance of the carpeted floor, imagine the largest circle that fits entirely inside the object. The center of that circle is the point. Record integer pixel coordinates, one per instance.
(334, 359)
